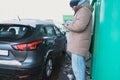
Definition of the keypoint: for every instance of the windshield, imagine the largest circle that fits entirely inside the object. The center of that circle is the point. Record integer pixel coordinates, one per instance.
(14, 32)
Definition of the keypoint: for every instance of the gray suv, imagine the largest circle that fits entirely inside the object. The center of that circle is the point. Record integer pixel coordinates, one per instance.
(29, 48)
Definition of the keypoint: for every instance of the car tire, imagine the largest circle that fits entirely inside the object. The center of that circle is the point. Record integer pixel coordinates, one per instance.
(49, 65)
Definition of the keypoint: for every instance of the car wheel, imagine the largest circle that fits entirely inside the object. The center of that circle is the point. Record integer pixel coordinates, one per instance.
(48, 68)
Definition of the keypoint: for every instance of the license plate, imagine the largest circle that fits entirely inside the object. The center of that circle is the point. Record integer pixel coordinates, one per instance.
(3, 52)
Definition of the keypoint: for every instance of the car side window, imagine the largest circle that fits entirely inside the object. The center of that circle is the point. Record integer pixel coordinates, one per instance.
(57, 31)
(42, 30)
(50, 30)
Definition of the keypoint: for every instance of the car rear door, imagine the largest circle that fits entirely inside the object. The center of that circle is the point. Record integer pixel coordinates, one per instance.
(51, 37)
(61, 39)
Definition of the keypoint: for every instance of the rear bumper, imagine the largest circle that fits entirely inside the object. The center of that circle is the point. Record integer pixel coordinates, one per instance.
(20, 73)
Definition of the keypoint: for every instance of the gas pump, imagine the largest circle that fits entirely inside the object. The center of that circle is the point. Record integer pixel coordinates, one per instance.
(106, 40)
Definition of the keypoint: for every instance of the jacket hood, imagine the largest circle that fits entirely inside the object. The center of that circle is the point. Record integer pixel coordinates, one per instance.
(82, 2)
(88, 6)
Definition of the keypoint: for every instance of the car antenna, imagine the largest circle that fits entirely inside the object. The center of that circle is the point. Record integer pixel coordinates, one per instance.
(19, 18)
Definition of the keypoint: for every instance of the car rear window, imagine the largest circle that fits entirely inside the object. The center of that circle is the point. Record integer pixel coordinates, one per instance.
(14, 32)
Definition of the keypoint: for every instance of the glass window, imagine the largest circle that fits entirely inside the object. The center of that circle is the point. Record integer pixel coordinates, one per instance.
(14, 31)
(57, 31)
(42, 30)
(50, 30)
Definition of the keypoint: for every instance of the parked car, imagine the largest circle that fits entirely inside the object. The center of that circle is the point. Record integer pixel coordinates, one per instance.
(28, 48)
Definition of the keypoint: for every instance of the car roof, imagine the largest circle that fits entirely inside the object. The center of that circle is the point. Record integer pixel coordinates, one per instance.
(30, 22)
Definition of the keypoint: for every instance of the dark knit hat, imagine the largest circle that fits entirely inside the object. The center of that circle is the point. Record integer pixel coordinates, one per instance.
(74, 3)
(77, 2)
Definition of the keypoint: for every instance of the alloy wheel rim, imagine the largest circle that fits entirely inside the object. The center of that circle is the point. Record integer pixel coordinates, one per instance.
(49, 67)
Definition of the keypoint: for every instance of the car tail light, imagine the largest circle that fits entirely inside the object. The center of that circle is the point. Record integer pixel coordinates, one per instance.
(27, 46)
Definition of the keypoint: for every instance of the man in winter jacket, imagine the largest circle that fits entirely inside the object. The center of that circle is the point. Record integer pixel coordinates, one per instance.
(79, 36)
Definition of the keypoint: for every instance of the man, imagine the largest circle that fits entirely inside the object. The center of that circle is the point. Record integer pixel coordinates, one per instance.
(79, 36)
